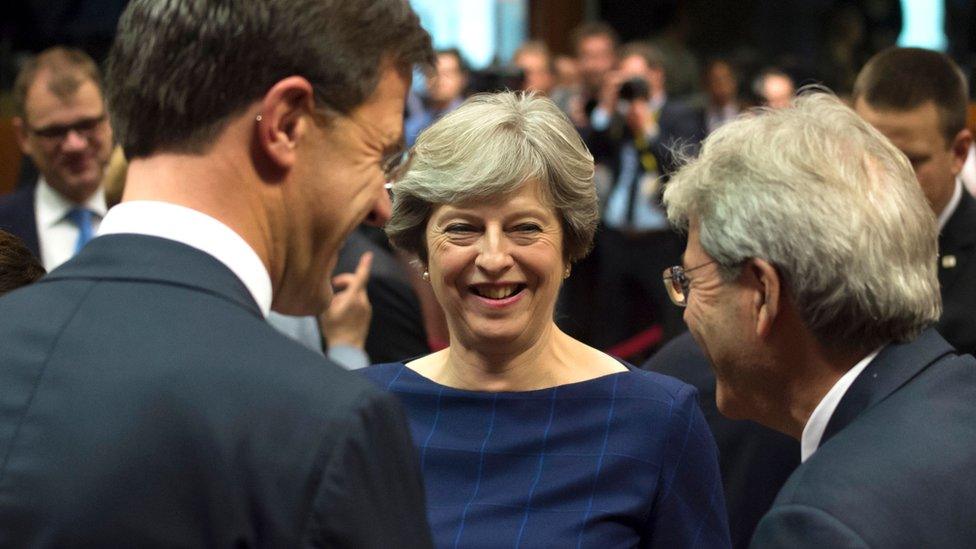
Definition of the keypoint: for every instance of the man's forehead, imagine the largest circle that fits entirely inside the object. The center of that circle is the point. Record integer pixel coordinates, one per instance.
(43, 105)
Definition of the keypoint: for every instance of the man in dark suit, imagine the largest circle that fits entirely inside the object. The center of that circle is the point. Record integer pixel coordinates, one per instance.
(918, 99)
(638, 131)
(146, 401)
(808, 282)
(755, 461)
(62, 126)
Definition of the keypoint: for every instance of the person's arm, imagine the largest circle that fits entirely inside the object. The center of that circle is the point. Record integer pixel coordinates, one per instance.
(796, 525)
(689, 509)
(371, 493)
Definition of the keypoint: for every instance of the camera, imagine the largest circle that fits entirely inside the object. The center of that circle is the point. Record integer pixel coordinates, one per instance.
(634, 89)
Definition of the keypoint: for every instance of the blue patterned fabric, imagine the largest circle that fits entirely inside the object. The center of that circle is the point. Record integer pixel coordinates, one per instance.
(623, 460)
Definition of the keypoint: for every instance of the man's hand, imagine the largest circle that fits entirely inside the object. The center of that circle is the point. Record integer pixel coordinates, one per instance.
(346, 321)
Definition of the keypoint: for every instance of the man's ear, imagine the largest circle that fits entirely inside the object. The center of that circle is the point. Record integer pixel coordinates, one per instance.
(20, 131)
(960, 149)
(280, 120)
(767, 296)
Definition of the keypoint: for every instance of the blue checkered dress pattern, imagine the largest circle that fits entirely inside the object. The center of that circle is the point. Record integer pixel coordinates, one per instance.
(622, 460)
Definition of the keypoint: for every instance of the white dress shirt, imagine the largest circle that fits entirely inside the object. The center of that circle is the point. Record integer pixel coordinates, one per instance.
(56, 234)
(951, 206)
(814, 429)
(196, 229)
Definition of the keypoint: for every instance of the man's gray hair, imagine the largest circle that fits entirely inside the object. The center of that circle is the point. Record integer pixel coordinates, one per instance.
(484, 151)
(829, 201)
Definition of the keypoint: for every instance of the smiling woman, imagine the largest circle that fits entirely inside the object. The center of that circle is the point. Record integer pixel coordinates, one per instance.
(527, 436)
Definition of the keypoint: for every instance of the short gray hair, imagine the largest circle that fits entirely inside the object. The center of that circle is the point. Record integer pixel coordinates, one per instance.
(488, 148)
(824, 197)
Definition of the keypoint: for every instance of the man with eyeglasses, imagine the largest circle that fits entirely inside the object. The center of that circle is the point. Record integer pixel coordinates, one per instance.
(62, 126)
(808, 281)
(145, 401)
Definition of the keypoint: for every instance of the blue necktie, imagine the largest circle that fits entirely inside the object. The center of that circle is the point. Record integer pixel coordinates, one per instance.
(82, 218)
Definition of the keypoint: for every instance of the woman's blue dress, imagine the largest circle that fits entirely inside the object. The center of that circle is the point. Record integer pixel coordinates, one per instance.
(623, 460)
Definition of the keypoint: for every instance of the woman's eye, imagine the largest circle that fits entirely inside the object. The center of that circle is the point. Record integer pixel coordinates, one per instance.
(459, 228)
(528, 228)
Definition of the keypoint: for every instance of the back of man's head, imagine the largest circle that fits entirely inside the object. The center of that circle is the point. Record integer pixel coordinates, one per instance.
(820, 194)
(209, 60)
(903, 79)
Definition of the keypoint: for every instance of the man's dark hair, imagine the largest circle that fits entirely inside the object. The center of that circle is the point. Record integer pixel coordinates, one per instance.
(69, 68)
(18, 266)
(906, 78)
(650, 54)
(594, 28)
(463, 65)
(179, 70)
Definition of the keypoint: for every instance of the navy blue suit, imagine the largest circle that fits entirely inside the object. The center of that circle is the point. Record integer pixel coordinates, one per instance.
(17, 217)
(145, 402)
(895, 465)
(957, 277)
(755, 461)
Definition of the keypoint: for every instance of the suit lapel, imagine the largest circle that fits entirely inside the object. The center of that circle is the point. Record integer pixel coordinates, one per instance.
(21, 220)
(894, 366)
(151, 259)
(957, 242)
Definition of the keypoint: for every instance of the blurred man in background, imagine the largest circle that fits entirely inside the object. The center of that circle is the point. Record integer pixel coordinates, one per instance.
(62, 124)
(918, 99)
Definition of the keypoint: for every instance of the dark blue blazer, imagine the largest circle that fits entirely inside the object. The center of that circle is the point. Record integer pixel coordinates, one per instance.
(755, 461)
(957, 277)
(17, 217)
(145, 402)
(895, 467)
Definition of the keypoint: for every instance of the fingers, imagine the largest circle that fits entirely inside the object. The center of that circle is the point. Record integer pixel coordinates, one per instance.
(355, 280)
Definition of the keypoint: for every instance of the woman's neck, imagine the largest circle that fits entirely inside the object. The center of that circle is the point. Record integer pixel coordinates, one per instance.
(539, 364)
(551, 359)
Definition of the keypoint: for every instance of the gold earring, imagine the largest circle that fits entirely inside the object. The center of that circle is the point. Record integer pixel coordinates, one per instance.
(425, 276)
(566, 272)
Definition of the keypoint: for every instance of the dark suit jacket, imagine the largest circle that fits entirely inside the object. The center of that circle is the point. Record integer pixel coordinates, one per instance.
(146, 402)
(895, 465)
(680, 127)
(17, 217)
(396, 329)
(755, 461)
(958, 279)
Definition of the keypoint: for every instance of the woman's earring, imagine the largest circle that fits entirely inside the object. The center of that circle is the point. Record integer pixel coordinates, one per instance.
(425, 276)
(566, 272)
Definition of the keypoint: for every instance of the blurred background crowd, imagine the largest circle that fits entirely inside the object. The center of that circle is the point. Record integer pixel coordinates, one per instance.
(665, 71)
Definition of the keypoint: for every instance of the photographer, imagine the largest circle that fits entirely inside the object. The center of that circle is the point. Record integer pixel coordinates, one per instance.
(637, 129)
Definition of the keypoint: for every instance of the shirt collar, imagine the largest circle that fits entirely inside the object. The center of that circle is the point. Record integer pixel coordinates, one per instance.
(52, 206)
(814, 429)
(196, 229)
(951, 206)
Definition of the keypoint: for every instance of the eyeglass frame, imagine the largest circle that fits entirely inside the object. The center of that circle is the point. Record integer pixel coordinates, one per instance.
(57, 133)
(678, 273)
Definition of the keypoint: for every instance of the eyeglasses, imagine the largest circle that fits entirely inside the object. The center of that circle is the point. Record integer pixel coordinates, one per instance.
(85, 128)
(677, 284)
(395, 166)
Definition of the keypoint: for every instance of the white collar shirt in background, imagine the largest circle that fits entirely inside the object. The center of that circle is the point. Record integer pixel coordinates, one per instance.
(198, 230)
(56, 234)
(951, 206)
(814, 429)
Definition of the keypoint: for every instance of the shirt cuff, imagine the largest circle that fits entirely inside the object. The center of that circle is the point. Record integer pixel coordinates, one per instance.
(349, 357)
